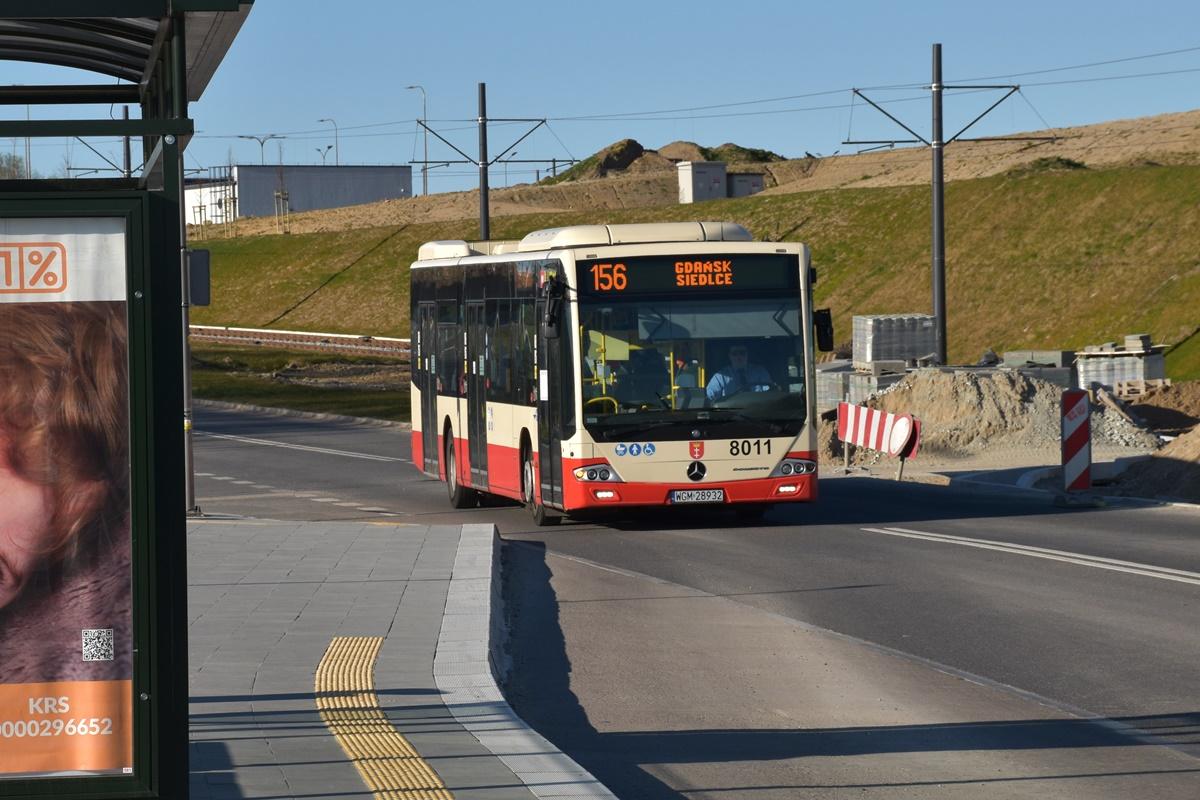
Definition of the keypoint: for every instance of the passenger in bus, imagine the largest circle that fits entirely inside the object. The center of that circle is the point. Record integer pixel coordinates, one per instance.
(739, 376)
(687, 371)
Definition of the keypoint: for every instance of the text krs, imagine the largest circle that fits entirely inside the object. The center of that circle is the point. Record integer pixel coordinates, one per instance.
(49, 705)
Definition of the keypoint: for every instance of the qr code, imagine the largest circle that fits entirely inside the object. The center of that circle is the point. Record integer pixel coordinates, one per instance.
(97, 644)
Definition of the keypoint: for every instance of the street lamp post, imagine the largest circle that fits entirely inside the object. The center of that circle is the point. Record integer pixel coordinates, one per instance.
(425, 121)
(324, 151)
(337, 158)
(262, 140)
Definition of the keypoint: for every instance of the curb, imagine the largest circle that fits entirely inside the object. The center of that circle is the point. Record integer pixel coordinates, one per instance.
(469, 659)
(315, 415)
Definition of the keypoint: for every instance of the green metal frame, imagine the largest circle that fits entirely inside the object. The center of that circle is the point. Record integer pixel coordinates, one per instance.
(151, 206)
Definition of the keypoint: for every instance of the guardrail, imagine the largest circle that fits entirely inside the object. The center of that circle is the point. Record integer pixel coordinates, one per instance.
(303, 340)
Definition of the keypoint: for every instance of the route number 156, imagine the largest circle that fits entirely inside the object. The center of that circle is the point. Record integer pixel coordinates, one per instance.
(609, 277)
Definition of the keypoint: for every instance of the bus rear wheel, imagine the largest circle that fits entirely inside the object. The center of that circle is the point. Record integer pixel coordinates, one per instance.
(460, 496)
(541, 517)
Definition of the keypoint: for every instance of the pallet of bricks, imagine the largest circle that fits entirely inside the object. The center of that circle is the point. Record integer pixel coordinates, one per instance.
(1128, 371)
(885, 345)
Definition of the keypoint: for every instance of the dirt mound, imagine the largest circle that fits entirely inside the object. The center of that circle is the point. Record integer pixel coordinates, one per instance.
(682, 151)
(732, 153)
(966, 413)
(651, 161)
(1173, 472)
(1172, 410)
(618, 156)
(1163, 140)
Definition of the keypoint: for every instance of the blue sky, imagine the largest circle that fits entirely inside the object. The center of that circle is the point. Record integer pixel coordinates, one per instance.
(298, 61)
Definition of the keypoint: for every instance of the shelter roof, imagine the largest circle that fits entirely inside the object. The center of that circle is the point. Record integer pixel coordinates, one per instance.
(120, 38)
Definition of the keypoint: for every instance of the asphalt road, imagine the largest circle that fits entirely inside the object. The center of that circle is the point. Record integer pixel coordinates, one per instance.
(902, 640)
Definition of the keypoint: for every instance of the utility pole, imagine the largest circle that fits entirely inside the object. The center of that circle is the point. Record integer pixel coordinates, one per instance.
(937, 146)
(939, 219)
(484, 221)
(483, 162)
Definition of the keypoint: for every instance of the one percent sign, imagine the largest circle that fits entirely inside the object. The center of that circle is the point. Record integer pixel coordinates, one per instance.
(894, 434)
(29, 267)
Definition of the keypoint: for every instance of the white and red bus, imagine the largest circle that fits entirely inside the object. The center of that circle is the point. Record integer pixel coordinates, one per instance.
(616, 366)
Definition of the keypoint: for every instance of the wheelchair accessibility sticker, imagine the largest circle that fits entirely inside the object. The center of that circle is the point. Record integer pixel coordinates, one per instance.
(635, 449)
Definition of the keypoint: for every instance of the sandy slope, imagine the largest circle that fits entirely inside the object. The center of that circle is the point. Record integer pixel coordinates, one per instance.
(1164, 139)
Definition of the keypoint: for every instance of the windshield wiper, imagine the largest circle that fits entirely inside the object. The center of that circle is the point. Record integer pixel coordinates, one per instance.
(630, 430)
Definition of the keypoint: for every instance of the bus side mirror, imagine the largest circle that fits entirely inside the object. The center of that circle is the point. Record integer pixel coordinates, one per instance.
(551, 321)
(823, 322)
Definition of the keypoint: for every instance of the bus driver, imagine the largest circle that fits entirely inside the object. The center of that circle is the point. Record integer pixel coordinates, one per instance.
(739, 376)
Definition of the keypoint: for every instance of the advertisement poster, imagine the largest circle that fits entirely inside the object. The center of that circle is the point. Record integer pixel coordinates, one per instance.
(66, 615)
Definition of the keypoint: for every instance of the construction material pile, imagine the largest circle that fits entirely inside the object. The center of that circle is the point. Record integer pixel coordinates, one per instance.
(1173, 472)
(965, 413)
(1171, 410)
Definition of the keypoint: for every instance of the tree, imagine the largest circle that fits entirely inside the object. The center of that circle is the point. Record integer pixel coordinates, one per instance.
(11, 166)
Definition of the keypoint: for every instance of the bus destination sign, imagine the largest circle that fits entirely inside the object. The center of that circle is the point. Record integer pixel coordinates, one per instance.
(673, 275)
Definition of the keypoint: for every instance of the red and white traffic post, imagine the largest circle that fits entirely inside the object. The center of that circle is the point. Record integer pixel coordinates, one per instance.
(1076, 441)
(894, 434)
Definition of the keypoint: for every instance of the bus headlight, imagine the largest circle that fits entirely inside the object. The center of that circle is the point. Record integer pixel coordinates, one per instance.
(794, 466)
(596, 473)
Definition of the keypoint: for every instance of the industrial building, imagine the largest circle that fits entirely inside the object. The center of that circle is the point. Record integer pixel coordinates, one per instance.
(252, 190)
(707, 180)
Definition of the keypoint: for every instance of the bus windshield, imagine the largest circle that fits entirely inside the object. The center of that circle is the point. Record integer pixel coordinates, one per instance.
(712, 365)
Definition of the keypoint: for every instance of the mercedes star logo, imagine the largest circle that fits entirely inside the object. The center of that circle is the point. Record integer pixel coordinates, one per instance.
(696, 470)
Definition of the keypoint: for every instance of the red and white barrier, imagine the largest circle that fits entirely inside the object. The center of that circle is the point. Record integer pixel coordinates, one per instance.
(1076, 440)
(894, 434)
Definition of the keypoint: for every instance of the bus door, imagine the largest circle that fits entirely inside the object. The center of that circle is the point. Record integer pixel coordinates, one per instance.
(554, 403)
(477, 347)
(425, 375)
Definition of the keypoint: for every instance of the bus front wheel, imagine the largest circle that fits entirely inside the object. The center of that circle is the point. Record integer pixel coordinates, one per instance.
(460, 496)
(538, 511)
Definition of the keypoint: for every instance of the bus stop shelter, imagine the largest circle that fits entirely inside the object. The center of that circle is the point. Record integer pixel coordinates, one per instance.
(93, 603)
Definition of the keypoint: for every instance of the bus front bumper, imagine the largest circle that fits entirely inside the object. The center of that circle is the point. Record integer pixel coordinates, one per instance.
(581, 495)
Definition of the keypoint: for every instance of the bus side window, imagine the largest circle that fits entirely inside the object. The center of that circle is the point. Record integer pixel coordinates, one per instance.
(500, 357)
(524, 370)
(449, 355)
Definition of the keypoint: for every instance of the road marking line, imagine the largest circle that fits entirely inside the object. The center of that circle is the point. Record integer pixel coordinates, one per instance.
(226, 497)
(347, 505)
(1097, 562)
(372, 508)
(222, 478)
(304, 447)
(346, 699)
(324, 499)
(243, 483)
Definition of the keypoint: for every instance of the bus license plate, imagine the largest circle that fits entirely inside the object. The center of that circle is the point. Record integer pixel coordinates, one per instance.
(698, 496)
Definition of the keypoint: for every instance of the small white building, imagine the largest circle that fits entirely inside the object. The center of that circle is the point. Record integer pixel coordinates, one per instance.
(708, 180)
(700, 180)
(252, 190)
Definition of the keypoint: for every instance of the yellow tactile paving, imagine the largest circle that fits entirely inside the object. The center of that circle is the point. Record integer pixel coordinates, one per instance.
(345, 689)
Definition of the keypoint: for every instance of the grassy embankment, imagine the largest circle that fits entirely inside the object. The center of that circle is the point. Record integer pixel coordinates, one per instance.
(1036, 259)
(251, 375)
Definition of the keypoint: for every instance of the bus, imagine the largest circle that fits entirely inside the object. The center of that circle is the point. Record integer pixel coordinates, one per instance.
(616, 367)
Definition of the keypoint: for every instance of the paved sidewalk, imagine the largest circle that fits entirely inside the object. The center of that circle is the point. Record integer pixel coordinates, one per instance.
(266, 599)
